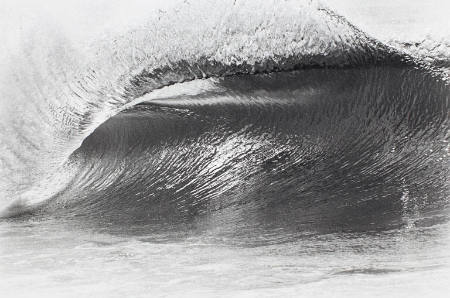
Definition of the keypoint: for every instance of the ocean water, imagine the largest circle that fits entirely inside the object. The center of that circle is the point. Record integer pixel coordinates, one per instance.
(205, 154)
(60, 259)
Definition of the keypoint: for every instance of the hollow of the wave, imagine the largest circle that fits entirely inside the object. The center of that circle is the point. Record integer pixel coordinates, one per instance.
(281, 154)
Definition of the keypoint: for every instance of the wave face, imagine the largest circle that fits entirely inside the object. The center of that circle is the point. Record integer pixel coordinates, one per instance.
(361, 149)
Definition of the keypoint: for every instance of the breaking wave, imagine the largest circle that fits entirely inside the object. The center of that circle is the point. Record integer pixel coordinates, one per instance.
(292, 113)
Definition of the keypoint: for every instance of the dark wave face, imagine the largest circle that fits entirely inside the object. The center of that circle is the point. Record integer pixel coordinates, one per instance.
(271, 157)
